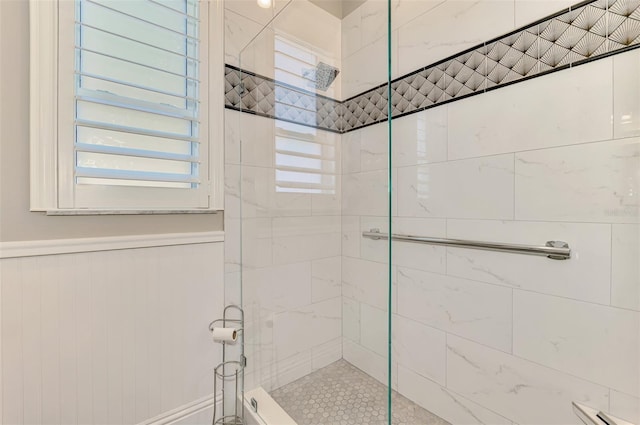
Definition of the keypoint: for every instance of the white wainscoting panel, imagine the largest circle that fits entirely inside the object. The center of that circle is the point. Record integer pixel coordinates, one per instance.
(115, 336)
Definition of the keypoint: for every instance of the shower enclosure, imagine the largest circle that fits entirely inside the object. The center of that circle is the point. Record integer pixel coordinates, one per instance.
(508, 178)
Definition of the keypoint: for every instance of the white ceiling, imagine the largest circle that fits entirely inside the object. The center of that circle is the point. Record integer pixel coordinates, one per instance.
(339, 8)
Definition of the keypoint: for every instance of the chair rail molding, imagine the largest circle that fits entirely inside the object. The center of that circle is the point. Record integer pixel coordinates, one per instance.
(108, 243)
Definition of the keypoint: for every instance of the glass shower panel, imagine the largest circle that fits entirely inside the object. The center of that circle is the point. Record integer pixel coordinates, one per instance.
(505, 135)
(315, 296)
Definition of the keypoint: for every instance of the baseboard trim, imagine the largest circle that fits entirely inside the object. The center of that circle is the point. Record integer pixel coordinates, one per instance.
(109, 243)
(183, 412)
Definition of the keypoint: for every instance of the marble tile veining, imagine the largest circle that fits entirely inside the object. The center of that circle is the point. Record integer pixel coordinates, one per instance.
(594, 182)
(341, 394)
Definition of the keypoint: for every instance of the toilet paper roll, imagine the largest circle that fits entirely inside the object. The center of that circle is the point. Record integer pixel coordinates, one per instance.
(224, 334)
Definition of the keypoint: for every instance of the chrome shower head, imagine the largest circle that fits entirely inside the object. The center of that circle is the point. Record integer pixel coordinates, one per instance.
(323, 75)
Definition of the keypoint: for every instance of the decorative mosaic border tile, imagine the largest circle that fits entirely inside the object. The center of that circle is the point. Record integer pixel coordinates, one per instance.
(588, 31)
(255, 94)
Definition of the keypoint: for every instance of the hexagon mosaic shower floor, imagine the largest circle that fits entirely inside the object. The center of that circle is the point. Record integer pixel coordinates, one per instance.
(341, 394)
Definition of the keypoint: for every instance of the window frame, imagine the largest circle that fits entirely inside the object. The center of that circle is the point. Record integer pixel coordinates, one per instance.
(52, 89)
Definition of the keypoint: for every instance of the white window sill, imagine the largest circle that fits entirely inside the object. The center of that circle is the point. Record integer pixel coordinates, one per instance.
(129, 212)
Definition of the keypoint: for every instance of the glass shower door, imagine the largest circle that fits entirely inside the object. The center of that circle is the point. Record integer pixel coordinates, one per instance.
(315, 295)
(506, 132)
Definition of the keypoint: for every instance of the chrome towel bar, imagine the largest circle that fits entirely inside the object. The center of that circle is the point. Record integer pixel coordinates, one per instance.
(556, 250)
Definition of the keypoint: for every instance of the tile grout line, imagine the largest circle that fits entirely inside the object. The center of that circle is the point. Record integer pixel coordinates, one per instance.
(515, 192)
(611, 265)
(513, 321)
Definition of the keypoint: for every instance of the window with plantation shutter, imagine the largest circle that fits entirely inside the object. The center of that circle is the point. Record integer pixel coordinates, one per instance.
(134, 128)
(305, 159)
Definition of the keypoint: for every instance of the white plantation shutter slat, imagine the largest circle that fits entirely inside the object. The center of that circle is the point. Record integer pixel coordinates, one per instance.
(132, 130)
(134, 40)
(302, 187)
(168, 7)
(299, 154)
(135, 86)
(303, 170)
(154, 68)
(141, 106)
(139, 153)
(104, 4)
(134, 175)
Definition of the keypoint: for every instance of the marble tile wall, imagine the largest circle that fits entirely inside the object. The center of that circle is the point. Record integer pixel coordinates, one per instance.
(478, 337)
(484, 337)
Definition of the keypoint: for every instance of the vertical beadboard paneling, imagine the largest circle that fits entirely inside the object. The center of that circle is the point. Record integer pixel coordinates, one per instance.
(177, 331)
(12, 383)
(168, 327)
(190, 333)
(113, 337)
(127, 394)
(32, 339)
(83, 283)
(116, 316)
(154, 331)
(179, 296)
(100, 280)
(68, 336)
(195, 266)
(50, 353)
(141, 281)
(209, 280)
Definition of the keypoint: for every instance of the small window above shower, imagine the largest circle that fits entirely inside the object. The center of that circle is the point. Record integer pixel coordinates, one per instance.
(304, 67)
(305, 159)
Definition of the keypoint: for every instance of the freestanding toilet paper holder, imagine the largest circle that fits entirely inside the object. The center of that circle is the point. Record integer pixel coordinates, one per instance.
(230, 373)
